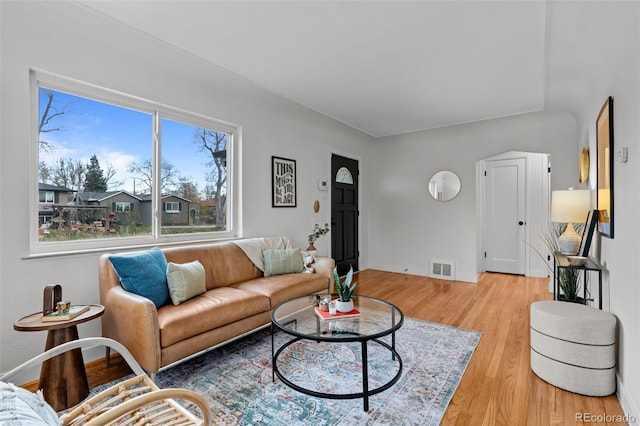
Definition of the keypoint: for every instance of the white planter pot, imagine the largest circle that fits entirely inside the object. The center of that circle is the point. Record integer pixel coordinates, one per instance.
(344, 306)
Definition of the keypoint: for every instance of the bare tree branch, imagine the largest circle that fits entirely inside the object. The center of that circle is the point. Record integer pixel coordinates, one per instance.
(49, 114)
(215, 143)
(169, 177)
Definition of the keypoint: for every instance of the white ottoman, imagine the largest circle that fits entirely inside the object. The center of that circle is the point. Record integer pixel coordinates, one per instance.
(573, 347)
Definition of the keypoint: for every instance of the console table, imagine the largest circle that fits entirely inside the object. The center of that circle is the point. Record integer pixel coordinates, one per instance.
(560, 261)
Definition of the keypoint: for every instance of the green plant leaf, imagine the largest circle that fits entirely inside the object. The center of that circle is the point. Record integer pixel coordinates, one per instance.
(336, 278)
(344, 288)
(347, 281)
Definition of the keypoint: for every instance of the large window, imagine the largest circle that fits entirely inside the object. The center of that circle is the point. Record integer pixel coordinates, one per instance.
(124, 159)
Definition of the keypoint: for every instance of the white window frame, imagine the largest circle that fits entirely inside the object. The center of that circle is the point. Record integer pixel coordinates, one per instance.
(158, 111)
(172, 210)
(120, 207)
(53, 197)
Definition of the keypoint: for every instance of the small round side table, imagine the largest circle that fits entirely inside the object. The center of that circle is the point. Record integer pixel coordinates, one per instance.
(63, 379)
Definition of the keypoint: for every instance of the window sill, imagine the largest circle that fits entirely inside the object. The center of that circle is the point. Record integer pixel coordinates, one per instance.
(77, 249)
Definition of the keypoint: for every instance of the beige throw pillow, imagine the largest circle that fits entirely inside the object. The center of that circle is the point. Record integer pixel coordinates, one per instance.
(185, 280)
(277, 262)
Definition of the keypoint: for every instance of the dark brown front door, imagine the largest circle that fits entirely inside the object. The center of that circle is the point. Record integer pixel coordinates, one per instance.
(344, 213)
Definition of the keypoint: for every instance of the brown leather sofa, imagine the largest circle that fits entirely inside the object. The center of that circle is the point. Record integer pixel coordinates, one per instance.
(238, 300)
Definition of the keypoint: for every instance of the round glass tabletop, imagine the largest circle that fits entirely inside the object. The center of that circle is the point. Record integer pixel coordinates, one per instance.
(298, 317)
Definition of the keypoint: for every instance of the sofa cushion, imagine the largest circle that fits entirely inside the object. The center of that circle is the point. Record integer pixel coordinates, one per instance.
(213, 308)
(278, 262)
(143, 273)
(21, 407)
(224, 262)
(280, 288)
(185, 280)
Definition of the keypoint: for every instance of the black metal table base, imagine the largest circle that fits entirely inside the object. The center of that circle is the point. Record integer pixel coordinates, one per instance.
(366, 392)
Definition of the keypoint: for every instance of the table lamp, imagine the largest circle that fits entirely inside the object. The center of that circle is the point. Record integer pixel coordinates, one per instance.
(570, 206)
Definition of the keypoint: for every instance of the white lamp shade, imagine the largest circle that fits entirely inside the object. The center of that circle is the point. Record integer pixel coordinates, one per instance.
(570, 206)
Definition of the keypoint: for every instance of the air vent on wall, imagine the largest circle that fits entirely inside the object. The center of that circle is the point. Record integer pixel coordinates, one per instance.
(443, 269)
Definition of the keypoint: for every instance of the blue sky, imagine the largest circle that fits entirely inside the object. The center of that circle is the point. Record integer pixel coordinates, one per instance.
(118, 136)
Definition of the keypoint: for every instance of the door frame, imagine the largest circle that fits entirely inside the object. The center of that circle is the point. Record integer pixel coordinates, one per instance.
(537, 193)
(358, 158)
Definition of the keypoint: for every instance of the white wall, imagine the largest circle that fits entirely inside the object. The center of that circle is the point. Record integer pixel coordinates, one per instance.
(70, 40)
(594, 53)
(407, 227)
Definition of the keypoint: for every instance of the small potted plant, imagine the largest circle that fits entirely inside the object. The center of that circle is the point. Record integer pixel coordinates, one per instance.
(316, 233)
(568, 278)
(345, 290)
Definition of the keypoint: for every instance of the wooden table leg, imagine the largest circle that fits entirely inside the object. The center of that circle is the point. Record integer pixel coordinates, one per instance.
(63, 379)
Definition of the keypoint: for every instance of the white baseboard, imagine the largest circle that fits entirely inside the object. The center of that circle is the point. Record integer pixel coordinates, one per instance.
(628, 407)
(422, 271)
(403, 269)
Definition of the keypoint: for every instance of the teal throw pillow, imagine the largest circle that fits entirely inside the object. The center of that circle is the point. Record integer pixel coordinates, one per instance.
(144, 273)
(185, 280)
(277, 262)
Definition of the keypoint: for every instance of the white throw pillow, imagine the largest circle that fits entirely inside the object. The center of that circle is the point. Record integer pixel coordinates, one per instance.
(18, 406)
(185, 280)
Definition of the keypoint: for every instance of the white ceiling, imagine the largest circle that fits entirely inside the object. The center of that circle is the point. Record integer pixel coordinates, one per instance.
(383, 67)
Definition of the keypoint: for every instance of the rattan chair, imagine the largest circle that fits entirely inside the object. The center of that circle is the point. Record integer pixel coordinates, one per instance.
(135, 401)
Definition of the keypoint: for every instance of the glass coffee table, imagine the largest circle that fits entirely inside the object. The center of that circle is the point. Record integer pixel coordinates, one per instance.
(297, 318)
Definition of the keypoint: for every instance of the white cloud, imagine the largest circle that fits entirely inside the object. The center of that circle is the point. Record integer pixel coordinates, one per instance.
(118, 161)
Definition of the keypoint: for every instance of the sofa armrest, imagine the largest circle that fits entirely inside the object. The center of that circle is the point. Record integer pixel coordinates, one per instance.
(133, 321)
(324, 266)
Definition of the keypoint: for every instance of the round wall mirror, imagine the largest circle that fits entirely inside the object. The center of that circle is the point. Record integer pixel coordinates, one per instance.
(444, 185)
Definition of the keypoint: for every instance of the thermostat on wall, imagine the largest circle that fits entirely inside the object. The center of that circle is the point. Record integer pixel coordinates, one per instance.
(323, 184)
(622, 155)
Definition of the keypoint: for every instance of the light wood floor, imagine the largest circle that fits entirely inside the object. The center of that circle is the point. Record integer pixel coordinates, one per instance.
(498, 387)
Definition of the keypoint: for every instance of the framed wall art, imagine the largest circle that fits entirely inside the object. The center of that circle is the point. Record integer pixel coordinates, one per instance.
(283, 178)
(587, 233)
(604, 136)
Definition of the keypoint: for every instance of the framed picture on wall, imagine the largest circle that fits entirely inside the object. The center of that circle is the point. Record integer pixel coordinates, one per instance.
(587, 233)
(604, 135)
(283, 187)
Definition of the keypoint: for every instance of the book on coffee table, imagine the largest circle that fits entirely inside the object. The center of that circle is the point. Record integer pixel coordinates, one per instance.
(325, 315)
(74, 311)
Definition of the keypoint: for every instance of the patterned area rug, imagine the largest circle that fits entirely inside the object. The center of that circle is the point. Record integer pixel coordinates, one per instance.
(237, 379)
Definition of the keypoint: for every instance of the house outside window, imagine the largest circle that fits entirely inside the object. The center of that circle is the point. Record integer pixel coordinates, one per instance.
(120, 182)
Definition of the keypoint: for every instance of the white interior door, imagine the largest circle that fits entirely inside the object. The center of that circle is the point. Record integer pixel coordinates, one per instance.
(505, 218)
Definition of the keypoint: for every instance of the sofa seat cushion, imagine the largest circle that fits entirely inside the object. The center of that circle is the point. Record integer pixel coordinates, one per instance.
(213, 308)
(280, 288)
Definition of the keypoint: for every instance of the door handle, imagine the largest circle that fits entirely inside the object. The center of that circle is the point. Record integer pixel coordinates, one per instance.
(521, 223)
